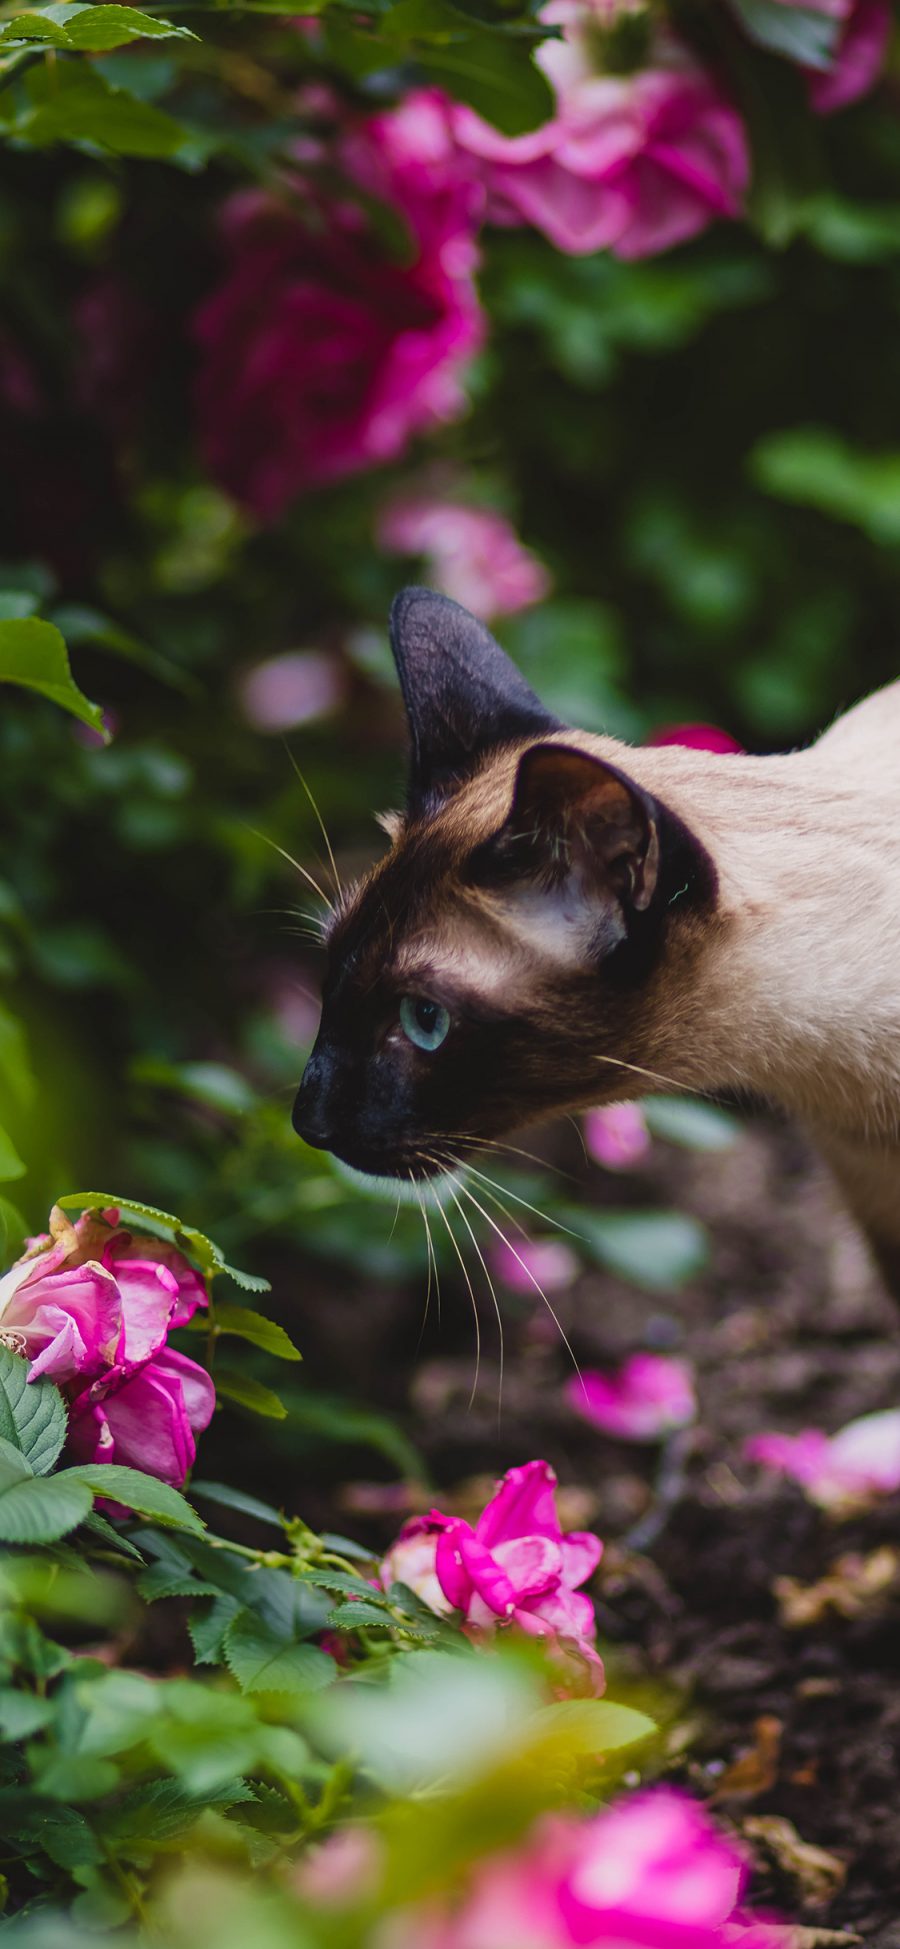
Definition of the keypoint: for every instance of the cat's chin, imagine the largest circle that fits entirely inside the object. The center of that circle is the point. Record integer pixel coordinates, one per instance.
(435, 1190)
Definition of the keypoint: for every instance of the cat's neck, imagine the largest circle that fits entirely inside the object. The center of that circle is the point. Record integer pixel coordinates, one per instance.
(793, 991)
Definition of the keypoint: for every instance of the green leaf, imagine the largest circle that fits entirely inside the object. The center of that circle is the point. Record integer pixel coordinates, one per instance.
(208, 1628)
(249, 1393)
(13, 1229)
(40, 1508)
(687, 1121)
(354, 1617)
(106, 1532)
(197, 1245)
(21, 1713)
(244, 1324)
(658, 1250)
(815, 467)
(806, 37)
(33, 654)
(11, 1165)
(15, 1066)
(263, 1662)
(32, 1413)
(494, 75)
(74, 103)
(230, 1498)
(143, 1493)
(90, 29)
(75, 1776)
(584, 1728)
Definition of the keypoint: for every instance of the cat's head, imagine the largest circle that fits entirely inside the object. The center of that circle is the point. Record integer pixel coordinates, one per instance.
(487, 970)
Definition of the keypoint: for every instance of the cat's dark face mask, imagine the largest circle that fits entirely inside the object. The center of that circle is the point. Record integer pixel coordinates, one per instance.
(474, 976)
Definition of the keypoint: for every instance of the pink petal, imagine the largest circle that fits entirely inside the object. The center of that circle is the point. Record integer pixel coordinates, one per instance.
(532, 1563)
(617, 1135)
(524, 1504)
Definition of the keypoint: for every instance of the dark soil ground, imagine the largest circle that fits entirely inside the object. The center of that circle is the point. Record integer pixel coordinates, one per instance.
(772, 1631)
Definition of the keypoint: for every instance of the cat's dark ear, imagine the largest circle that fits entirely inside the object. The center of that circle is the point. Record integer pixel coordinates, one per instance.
(576, 819)
(463, 696)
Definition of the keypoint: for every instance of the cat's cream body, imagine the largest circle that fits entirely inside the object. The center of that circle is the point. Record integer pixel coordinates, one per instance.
(793, 990)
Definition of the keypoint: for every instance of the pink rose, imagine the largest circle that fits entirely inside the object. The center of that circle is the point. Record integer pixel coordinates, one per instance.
(295, 688)
(473, 554)
(617, 1135)
(632, 164)
(516, 1566)
(854, 1466)
(91, 1305)
(322, 352)
(411, 1561)
(651, 1872)
(650, 1396)
(147, 1419)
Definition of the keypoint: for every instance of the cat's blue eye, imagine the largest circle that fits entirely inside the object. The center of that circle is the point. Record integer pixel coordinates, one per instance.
(426, 1023)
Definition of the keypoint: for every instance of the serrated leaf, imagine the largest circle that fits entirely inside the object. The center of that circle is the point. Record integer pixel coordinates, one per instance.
(106, 1532)
(245, 1505)
(249, 1393)
(32, 1413)
(159, 1581)
(94, 30)
(339, 1581)
(143, 1493)
(263, 1662)
(159, 1810)
(196, 1244)
(353, 1617)
(33, 655)
(208, 1627)
(41, 1508)
(245, 1324)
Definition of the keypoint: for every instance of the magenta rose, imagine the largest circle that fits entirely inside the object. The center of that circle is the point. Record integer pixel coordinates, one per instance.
(148, 1418)
(323, 351)
(860, 56)
(632, 164)
(514, 1567)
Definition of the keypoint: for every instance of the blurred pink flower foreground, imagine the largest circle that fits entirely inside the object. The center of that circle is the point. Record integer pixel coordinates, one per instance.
(617, 1135)
(651, 1872)
(473, 554)
(322, 352)
(854, 1466)
(650, 1396)
(91, 1306)
(534, 1264)
(514, 1567)
(632, 164)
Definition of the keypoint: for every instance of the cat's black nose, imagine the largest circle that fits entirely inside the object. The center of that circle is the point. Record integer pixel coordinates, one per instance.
(314, 1115)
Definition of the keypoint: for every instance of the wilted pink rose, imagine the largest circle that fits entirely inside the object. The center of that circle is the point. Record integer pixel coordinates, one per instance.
(849, 1468)
(91, 1304)
(146, 1419)
(517, 1567)
(63, 1313)
(473, 554)
(698, 737)
(292, 689)
(650, 1396)
(651, 1872)
(323, 351)
(617, 1135)
(534, 1264)
(632, 164)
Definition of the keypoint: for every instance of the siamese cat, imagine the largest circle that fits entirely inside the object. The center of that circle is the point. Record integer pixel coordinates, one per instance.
(563, 921)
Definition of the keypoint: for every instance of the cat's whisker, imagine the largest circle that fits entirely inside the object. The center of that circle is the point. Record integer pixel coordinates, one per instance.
(467, 1138)
(295, 863)
(321, 823)
(652, 1075)
(493, 1292)
(465, 1272)
(529, 1275)
(433, 1257)
(428, 1246)
(580, 1135)
(524, 1202)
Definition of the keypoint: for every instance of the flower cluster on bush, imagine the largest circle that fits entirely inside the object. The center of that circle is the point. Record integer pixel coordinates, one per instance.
(91, 1305)
(329, 344)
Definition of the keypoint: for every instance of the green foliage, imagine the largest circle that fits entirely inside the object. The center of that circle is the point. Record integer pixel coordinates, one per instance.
(33, 654)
